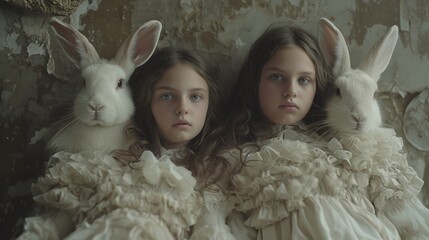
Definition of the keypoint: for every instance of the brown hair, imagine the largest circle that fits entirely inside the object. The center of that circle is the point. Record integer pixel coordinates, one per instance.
(143, 82)
(247, 122)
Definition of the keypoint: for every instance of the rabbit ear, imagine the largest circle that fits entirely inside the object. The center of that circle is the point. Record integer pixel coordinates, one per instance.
(139, 47)
(333, 46)
(74, 44)
(379, 57)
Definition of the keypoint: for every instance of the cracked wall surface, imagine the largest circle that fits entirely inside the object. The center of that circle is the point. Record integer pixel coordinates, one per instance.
(36, 78)
(50, 7)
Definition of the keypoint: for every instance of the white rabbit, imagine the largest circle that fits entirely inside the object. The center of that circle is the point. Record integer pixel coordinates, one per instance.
(352, 108)
(104, 105)
(101, 110)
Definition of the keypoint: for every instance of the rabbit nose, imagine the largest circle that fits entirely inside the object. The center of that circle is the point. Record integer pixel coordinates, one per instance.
(358, 118)
(96, 107)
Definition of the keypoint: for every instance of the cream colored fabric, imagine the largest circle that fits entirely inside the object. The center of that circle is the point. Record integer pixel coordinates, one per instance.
(328, 218)
(296, 188)
(235, 221)
(211, 224)
(55, 224)
(149, 199)
(377, 170)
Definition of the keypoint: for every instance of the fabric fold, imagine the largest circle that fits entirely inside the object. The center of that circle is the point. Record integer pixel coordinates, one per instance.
(90, 186)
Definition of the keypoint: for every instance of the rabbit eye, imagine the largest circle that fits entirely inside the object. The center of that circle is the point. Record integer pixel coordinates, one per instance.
(120, 83)
(338, 92)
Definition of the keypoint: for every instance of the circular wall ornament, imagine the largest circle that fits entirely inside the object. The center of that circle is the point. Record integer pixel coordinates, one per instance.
(416, 121)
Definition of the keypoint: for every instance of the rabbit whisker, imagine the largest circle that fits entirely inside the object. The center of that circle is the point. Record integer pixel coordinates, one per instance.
(64, 120)
(69, 124)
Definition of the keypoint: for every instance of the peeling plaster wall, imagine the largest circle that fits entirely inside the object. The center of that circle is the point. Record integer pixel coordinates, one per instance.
(52, 7)
(36, 79)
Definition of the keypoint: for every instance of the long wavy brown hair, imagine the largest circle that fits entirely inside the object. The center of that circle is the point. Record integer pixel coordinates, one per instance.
(246, 122)
(195, 156)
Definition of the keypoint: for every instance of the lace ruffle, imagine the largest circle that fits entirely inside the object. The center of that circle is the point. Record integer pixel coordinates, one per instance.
(45, 227)
(377, 169)
(91, 185)
(124, 223)
(376, 163)
(212, 232)
(211, 224)
(277, 179)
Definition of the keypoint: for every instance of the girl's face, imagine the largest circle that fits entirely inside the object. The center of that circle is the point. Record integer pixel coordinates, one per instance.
(179, 105)
(287, 86)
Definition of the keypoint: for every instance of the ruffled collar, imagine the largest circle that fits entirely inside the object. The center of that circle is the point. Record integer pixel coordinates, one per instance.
(174, 154)
(298, 131)
(168, 152)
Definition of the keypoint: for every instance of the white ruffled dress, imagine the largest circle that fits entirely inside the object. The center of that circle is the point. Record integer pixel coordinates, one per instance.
(211, 225)
(90, 195)
(289, 189)
(377, 177)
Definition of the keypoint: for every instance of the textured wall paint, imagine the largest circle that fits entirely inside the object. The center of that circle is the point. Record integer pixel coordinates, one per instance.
(50, 7)
(36, 79)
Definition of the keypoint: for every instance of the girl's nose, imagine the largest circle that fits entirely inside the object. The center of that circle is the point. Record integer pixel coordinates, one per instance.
(289, 90)
(182, 108)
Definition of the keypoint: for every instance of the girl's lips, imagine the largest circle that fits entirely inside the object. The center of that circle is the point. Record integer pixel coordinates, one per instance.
(181, 123)
(289, 106)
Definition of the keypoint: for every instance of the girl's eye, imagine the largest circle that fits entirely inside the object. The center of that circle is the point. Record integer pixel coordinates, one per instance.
(120, 82)
(276, 77)
(304, 80)
(196, 98)
(166, 97)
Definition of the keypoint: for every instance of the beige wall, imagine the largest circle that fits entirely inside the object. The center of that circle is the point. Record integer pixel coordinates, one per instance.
(32, 83)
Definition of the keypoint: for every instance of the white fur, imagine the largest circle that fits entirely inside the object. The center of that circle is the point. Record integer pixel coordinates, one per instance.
(355, 110)
(101, 109)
